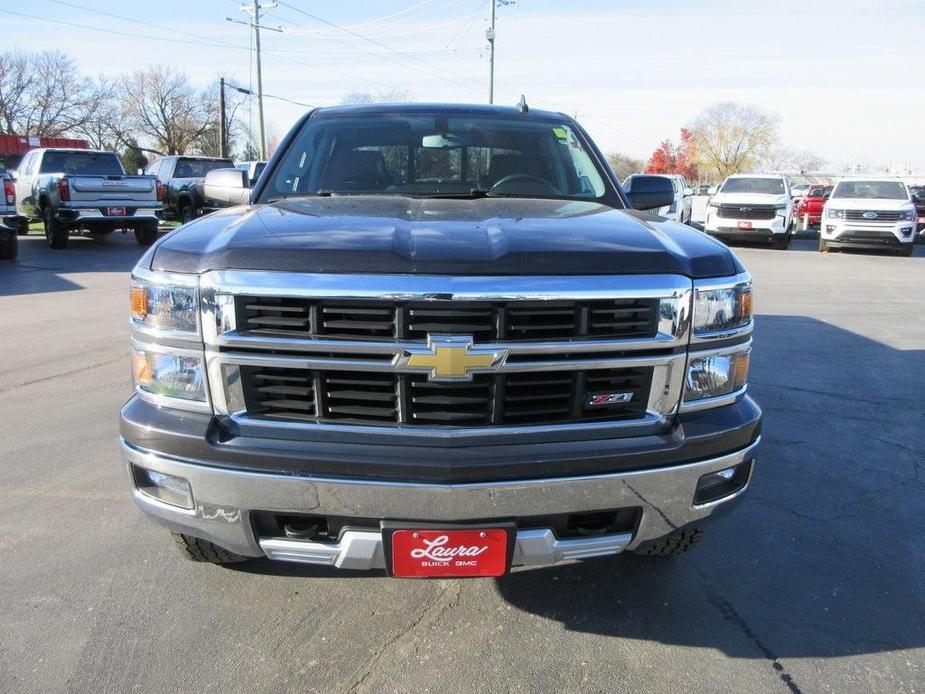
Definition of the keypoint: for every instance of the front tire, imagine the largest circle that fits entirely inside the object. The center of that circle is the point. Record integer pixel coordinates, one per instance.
(906, 250)
(187, 214)
(9, 245)
(196, 549)
(823, 245)
(678, 542)
(781, 242)
(146, 234)
(56, 234)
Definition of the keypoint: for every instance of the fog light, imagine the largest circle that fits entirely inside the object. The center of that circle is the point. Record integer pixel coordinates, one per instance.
(906, 231)
(829, 228)
(166, 488)
(722, 483)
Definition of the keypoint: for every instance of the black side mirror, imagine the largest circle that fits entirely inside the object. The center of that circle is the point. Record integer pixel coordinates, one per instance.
(650, 192)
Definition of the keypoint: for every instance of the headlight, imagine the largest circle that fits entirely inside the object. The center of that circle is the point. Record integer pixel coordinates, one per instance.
(780, 207)
(836, 214)
(907, 215)
(169, 372)
(715, 375)
(718, 308)
(165, 301)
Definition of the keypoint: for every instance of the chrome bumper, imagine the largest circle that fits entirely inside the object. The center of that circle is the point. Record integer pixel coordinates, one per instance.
(223, 500)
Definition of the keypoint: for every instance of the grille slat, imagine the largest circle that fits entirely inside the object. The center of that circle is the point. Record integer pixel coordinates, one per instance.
(745, 212)
(414, 321)
(488, 400)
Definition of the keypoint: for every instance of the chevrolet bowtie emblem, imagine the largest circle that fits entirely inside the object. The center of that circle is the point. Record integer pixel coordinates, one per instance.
(452, 358)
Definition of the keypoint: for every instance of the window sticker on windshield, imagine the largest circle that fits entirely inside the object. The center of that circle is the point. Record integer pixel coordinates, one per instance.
(561, 133)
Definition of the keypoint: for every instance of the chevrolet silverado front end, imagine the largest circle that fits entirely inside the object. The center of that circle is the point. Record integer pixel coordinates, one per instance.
(457, 354)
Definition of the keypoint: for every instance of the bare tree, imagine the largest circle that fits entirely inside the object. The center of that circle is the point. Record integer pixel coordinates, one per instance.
(732, 138)
(383, 96)
(623, 165)
(162, 105)
(44, 94)
(105, 125)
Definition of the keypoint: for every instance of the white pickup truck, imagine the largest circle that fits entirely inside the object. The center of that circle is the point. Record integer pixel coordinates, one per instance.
(869, 213)
(85, 190)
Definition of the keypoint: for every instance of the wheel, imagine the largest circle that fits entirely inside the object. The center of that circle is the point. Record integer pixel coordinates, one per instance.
(678, 542)
(906, 250)
(195, 549)
(823, 245)
(146, 234)
(782, 241)
(9, 244)
(55, 233)
(187, 214)
(23, 229)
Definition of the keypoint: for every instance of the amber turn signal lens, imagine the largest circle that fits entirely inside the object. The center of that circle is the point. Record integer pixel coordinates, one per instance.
(139, 302)
(141, 368)
(746, 305)
(741, 370)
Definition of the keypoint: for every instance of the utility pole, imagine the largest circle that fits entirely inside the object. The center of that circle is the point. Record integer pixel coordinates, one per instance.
(255, 25)
(490, 34)
(222, 123)
(260, 127)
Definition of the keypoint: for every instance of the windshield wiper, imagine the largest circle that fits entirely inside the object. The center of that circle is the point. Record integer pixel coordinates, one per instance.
(473, 194)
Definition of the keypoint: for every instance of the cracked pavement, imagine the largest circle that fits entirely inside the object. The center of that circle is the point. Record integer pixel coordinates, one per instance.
(813, 583)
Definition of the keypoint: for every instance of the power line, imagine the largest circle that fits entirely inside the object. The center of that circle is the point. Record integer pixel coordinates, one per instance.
(380, 45)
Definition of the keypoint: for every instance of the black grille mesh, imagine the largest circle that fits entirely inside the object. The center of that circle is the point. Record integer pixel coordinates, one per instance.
(543, 397)
(484, 321)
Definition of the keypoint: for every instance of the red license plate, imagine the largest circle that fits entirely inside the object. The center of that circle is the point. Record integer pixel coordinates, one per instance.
(115, 211)
(420, 553)
(745, 226)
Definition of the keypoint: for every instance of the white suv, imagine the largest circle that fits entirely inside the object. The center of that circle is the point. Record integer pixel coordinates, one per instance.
(752, 207)
(869, 213)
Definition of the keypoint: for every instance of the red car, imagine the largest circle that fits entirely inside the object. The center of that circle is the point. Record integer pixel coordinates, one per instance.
(812, 203)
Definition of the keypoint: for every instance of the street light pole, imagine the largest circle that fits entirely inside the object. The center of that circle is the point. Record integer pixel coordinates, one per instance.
(222, 123)
(490, 34)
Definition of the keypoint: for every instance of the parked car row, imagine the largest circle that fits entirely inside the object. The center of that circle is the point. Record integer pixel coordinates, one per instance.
(72, 190)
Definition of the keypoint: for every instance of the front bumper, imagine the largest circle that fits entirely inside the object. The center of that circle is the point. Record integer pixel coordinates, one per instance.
(839, 233)
(226, 502)
(726, 227)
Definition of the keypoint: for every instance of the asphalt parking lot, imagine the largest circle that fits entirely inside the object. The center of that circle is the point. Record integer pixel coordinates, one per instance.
(813, 584)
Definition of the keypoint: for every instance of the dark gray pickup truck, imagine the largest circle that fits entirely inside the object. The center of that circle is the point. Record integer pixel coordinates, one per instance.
(439, 341)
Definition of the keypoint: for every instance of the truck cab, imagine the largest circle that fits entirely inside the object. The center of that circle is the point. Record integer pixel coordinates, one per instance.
(182, 177)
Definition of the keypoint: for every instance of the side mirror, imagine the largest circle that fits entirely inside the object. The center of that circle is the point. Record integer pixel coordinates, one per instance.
(688, 192)
(650, 192)
(227, 187)
(13, 174)
(140, 172)
(712, 190)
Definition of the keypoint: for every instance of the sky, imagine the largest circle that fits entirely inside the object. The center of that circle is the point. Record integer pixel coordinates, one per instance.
(842, 76)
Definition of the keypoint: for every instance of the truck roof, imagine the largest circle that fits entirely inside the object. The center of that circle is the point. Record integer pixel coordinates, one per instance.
(481, 109)
(81, 150)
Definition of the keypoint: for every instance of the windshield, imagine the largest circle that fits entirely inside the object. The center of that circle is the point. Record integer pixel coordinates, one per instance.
(98, 163)
(198, 168)
(436, 155)
(761, 186)
(819, 192)
(880, 190)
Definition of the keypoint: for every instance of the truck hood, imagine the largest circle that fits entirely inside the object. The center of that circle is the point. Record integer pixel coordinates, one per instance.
(868, 204)
(748, 199)
(399, 235)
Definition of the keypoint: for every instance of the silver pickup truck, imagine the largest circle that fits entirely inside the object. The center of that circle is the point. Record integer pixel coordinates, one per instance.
(85, 190)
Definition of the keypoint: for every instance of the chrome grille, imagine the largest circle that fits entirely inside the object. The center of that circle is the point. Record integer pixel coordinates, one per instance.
(881, 216)
(357, 350)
